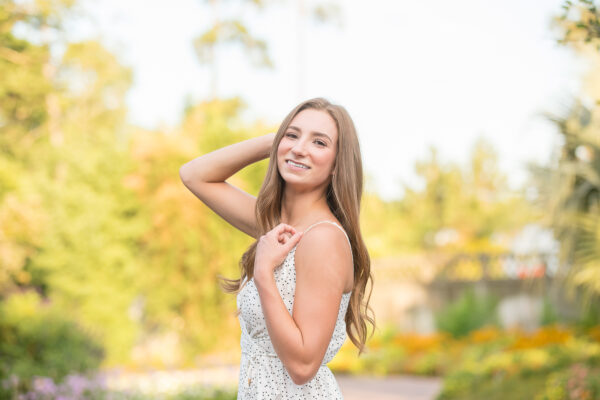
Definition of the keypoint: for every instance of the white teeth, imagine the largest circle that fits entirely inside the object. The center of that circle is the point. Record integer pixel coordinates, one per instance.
(297, 165)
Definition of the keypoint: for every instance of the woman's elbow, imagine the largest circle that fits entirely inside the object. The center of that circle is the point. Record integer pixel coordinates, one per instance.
(185, 173)
(303, 373)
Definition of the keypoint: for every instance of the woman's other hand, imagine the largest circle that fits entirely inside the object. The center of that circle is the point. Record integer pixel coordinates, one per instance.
(272, 248)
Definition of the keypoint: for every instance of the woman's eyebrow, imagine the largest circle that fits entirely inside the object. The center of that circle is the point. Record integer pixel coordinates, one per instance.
(315, 133)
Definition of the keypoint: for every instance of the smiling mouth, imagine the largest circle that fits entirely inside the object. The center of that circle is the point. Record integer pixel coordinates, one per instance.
(296, 164)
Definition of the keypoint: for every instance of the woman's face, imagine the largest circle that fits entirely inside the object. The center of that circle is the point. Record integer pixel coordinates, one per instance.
(306, 153)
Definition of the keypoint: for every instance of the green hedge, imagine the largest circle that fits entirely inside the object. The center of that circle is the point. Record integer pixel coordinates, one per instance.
(36, 340)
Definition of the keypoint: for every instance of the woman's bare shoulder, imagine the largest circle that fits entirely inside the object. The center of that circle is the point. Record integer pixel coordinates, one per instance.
(324, 250)
(324, 233)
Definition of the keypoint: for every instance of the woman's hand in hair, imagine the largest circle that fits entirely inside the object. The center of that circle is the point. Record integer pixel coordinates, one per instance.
(272, 248)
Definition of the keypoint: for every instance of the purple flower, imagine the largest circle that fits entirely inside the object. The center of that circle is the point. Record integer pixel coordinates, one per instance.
(100, 380)
(77, 384)
(44, 386)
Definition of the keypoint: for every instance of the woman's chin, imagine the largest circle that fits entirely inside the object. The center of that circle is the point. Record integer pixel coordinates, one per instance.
(292, 181)
(300, 185)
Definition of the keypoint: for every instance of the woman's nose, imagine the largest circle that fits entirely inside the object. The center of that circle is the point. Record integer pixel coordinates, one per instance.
(299, 147)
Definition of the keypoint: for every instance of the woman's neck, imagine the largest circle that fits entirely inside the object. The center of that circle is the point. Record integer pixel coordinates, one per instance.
(301, 210)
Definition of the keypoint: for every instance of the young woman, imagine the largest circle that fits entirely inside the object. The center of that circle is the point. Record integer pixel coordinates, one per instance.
(303, 281)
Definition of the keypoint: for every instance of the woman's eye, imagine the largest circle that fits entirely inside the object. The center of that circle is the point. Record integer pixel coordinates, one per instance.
(320, 143)
(292, 135)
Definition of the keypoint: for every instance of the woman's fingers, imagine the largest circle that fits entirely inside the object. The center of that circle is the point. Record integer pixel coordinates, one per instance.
(275, 244)
(281, 228)
(288, 241)
(281, 232)
(284, 233)
(282, 238)
(292, 241)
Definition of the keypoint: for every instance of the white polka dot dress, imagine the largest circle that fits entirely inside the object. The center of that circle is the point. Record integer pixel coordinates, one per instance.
(262, 374)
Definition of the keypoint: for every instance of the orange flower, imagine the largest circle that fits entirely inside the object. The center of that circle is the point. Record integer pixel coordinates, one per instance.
(483, 335)
(595, 333)
(545, 336)
(415, 343)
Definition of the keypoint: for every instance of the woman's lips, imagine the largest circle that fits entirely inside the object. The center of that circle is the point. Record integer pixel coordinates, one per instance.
(296, 165)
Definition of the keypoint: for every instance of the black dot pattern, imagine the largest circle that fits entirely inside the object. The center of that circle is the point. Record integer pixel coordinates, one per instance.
(262, 374)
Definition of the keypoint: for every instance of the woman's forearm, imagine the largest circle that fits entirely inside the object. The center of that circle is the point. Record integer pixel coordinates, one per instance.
(220, 164)
(285, 335)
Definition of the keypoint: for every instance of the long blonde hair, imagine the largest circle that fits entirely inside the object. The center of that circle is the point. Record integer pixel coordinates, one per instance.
(343, 197)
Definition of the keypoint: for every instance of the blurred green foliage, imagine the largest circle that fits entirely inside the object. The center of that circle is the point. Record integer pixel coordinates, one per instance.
(578, 382)
(549, 315)
(568, 187)
(92, 211)
(522, 373)
(468, 313)
(37, 339)
(472, 200)
(580, 23)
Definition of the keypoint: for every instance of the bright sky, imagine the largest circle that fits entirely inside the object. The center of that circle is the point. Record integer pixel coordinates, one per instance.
(411, 73)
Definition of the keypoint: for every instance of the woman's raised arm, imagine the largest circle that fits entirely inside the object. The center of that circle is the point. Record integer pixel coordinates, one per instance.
(205, 177)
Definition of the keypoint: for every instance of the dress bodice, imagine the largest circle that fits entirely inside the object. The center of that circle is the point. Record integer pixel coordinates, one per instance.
(260, 365)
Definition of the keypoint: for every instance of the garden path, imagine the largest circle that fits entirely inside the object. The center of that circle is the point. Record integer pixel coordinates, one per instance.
(389, 388)
(353, 387)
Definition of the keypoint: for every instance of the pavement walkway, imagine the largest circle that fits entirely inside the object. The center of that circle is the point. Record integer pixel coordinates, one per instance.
(353, 387)
(389, 388)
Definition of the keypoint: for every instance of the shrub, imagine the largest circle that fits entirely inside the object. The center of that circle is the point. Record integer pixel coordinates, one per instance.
(468, 313)
(549, 316)
(590, 316)
(36, 340)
